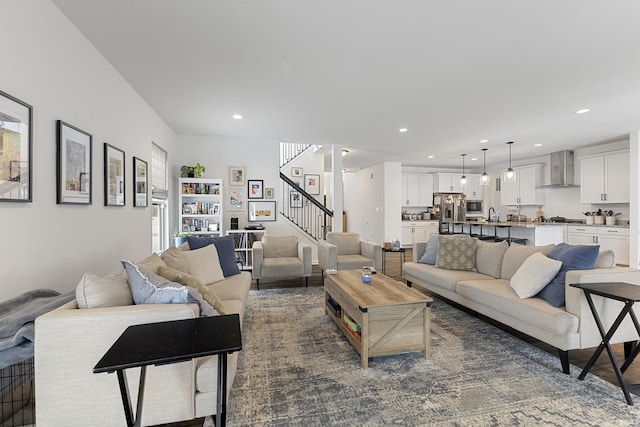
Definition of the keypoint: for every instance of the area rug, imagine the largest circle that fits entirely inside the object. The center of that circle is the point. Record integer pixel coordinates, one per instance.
(296, 369)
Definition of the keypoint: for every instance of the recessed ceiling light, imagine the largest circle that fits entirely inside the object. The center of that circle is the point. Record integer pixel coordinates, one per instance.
(430, 156)
(474, 158)
(402, 130)
(583, 110)
(537, 145)
(483, 141)
(237, 116)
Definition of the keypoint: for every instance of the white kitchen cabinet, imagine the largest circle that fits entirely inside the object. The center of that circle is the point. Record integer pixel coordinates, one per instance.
(614, 238)
(448, 183)
(473, 190)
(417, 189)
(525, 190)
(605, 179)
(417, 231)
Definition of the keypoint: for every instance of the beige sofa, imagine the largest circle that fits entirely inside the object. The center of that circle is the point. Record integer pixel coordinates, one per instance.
(70, 341)
(487, 291)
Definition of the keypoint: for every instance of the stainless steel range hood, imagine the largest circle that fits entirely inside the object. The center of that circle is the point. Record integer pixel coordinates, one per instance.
(561, 170)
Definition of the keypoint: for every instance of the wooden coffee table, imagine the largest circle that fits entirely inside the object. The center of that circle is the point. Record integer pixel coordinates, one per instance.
(391, 317)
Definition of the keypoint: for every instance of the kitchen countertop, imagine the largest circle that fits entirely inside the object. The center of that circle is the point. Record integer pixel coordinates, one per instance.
(533, 224)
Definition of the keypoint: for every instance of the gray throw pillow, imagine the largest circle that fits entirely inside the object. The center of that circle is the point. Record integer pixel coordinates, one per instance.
(455, 253)
(431, 251)
(149, 288)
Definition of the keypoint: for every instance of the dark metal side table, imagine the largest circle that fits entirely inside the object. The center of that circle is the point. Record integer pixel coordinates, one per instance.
(401, 251)
(628, 294)
(172, 342)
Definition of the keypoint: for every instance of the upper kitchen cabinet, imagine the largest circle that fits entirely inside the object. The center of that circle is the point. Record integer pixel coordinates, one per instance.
(417, 189)
(447, 183)
(524, 191)
(605, 178)
(473, 190)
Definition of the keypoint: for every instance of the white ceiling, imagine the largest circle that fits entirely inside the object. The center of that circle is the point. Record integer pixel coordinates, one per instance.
(352, 72)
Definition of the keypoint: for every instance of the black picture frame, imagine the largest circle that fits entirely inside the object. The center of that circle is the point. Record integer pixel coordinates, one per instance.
(74, 163)
(255, 189)
(140, 183)
(16, 132)
(114, 176)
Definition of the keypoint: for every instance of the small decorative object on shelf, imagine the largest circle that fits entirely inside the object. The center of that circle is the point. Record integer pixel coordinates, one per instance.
(192, 171)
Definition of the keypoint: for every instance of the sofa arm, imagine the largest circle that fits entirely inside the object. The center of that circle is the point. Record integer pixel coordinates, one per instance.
(257, 256)
(70, 341)
(304, 253)
(327, 255)
(607, 308)
(372, 251)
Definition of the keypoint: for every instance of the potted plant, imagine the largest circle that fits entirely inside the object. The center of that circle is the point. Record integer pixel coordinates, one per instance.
(179, 237)
(192, 171)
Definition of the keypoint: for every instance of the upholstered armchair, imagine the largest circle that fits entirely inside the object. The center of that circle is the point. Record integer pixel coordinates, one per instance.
(345, 251)
(281, 257)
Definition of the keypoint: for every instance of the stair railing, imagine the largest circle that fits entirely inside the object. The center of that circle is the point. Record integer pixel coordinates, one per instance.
(304, 210)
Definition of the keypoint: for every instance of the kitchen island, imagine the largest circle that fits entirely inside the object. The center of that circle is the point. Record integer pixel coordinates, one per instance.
(529, 233)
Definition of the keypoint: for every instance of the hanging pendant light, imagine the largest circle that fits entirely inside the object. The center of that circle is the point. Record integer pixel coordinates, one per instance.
(509, 174)
(484, 178)
(463, 178)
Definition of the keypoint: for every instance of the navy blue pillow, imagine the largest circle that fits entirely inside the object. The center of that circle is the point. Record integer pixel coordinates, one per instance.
(226, 251)
(573, 257)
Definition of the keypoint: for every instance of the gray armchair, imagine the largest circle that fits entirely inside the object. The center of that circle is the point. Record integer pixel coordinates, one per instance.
(281, 257)
(345, 251)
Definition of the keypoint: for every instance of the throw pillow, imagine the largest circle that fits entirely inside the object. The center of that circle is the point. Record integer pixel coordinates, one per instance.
(174, 258)
(204, 264)
(189, 280)
(516, 255)
(534, 274)
(96, 292)
(456, 254)
(606, 259)
(149, 288)
(430, 251)
(226, 251)
(573, 257)
(489, 256)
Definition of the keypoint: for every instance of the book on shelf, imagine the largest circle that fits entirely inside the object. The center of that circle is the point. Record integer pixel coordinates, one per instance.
(200, 188)
(351, 324)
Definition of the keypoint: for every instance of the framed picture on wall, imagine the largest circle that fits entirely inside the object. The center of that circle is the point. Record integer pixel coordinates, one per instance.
(255, 189)
(237, 176)
(73, 165)
(140, 182)
(312, 184)
(236, 199)
(295, 199)
(114, 176)
(268, 193)
(296, 172)
(15, 149)
(262, 211)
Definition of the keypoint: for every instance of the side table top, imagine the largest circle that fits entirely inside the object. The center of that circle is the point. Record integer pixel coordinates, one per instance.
(172, 341)
(615, 290)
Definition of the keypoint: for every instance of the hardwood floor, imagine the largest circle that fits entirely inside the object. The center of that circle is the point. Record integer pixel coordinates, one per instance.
(601, 368)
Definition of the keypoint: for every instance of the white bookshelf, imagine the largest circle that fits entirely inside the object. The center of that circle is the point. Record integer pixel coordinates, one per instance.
(244, 245)
(201, 209)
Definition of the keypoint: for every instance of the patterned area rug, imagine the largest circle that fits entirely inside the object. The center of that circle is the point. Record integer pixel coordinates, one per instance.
(296, 369)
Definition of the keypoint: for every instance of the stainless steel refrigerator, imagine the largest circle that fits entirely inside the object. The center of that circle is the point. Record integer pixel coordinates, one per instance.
(449, 208)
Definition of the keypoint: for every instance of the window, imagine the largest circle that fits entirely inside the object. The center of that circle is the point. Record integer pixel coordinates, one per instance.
(159, 199)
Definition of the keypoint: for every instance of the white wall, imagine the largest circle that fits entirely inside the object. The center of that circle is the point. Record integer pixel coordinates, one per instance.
(47, 63)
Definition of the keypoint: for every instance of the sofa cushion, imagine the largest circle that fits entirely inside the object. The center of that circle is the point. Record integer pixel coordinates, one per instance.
(232, 288)
(188, 280)
(347, 243)
(350, 262)
(489, 257)
(150, 288)
(281, 267)
(110, 291)
(447, 279)
(573, 257)
(174, 258)
(430, 251)
(516, 255)
(280, 246)
(204, 264)
(151, 263)
(225, 247)
(498, 295)
(534, 274)
(455, 253)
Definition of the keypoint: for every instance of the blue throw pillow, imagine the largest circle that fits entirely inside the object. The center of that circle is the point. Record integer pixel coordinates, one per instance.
(431, 251)
(573, 257)
(226, 251)
(149, 288)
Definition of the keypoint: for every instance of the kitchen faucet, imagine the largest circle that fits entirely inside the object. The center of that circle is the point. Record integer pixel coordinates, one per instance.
(494, 213)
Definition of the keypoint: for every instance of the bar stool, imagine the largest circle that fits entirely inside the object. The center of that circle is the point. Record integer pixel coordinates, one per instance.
(500, 239)
(472, 234)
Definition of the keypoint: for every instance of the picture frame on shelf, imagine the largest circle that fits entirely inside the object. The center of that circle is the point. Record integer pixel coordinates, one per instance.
(295, 199)
(237, 176)
(268, 193)
(296, 172)
(215, 210)
(189, 209)
(16, 135)
(255, 189)
(114, 176)
(74, 154)
(140, 183)
(236, 199)
(262, 211)
(312, 184)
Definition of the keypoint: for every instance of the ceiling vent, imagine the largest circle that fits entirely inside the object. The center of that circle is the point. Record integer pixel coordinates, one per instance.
(561, 169)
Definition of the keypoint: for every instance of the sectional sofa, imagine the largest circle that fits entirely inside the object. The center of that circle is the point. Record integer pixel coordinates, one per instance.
(71, 339)
(488, 291)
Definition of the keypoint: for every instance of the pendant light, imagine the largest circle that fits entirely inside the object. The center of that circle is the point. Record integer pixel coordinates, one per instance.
(509, 174)
(484, 178)
(463, 178)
